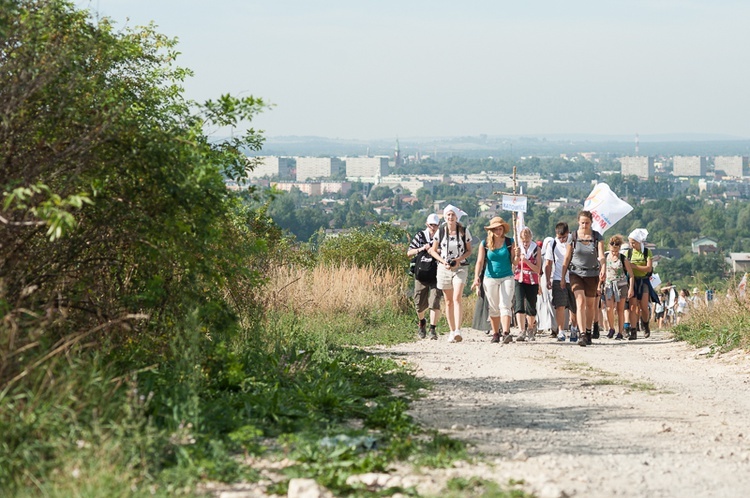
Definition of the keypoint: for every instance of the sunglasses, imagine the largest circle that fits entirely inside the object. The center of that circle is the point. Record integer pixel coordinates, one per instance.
(614, 244)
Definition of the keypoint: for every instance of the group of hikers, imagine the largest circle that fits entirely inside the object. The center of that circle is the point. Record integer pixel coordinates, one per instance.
(561, 284)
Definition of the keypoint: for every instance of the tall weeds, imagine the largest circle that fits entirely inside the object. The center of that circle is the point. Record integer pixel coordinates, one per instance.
(333, 290)
(724, 324)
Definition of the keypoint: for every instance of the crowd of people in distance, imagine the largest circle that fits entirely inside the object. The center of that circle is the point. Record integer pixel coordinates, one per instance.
(574, 285)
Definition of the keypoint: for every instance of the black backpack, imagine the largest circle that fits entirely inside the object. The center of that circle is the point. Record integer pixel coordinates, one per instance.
(424, 267)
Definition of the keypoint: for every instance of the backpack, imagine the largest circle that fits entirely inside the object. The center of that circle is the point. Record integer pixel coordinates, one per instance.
(645, 255)
(425, 268)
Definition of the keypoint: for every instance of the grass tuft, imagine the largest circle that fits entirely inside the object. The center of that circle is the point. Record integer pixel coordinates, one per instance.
(723, 331)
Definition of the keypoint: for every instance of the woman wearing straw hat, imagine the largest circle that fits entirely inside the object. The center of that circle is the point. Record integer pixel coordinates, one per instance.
(499, 252)
(451, 248)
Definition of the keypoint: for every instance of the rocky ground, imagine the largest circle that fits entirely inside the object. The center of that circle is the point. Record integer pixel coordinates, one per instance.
(645, 418)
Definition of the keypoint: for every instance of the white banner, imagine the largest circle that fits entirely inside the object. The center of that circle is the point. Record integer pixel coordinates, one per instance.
(655, 280)
(606, 208)
(515, 203)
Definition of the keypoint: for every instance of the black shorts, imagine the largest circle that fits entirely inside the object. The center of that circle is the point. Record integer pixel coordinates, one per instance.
(563, 297)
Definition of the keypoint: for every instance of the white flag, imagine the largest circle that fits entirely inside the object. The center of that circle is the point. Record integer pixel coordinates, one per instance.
(516, 203)
(606, 208)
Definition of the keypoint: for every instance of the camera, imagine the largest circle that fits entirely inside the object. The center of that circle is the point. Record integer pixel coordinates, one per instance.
(452, 263)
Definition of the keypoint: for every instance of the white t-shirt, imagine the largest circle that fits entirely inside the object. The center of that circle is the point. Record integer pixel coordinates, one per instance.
(560, 249)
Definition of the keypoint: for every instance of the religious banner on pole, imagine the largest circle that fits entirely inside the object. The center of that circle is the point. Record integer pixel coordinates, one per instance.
(517, 203)
(606, 208)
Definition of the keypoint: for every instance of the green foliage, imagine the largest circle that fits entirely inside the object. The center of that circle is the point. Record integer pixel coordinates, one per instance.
(374, 247)
(476, 486)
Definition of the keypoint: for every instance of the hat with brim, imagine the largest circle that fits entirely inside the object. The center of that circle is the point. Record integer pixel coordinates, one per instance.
(498, 222)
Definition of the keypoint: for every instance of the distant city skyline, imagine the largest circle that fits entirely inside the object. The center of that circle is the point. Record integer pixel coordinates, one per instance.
(375, 70)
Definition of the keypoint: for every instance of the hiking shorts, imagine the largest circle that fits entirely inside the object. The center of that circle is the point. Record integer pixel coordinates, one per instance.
(589, 285)
(451, 279)
(563, 297)
(426, 296)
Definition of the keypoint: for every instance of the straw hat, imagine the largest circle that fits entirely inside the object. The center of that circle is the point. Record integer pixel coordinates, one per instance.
(498, 222)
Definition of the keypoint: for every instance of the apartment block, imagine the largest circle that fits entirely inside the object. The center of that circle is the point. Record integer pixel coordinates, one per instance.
(367, 167)
(309, 168)
(640, 166)
(731, 165)
(271, 166)
(689, 166)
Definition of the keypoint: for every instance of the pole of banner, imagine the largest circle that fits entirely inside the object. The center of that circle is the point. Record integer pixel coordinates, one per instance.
(513, 213)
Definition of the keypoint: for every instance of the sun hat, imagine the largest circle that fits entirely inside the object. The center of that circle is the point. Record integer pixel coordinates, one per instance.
(456, 211)
(433, 219)
(498, 222)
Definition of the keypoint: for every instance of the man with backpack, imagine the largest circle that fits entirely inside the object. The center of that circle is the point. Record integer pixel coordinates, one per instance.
(424, 267)
(562, 297)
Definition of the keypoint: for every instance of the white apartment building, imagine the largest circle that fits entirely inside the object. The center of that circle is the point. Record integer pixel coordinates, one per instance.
(408, 184)
(731, 165)
(270, 166)
(689, 166)
(640, 166)
(366, 167)
(309, 188)
(309, 168)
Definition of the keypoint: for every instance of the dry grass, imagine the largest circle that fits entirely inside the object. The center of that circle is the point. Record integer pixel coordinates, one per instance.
(724, 324)
(325, 290)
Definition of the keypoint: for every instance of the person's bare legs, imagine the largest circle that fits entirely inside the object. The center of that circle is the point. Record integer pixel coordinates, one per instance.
(449, 313)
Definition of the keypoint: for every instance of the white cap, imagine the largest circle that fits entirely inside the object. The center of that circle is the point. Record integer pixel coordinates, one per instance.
(433, 219)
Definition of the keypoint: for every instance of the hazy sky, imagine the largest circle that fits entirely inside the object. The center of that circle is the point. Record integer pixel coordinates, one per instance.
(370, 69)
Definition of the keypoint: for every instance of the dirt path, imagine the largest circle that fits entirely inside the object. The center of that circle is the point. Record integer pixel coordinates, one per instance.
(647, 418)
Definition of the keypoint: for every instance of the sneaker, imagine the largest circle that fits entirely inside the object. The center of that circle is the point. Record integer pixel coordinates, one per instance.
(574, 334)
(561, 336)
(451, 336)
(582, 341)
(587, 337)
(495, 337)
(521, 337)
(553, 334)
(532, 333)
(595, 333)
(646, 330)
(433, 335)
(457, 336)
(619, 337)
(611, 334)
(507, 339)
(422, 330)
(633, 335)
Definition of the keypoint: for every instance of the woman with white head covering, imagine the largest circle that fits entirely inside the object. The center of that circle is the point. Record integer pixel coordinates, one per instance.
(526, 275)
(642, 265)
(451, 248)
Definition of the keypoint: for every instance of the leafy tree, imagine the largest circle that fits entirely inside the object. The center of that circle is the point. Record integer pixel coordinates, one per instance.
(116, 223)
(381, 192)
